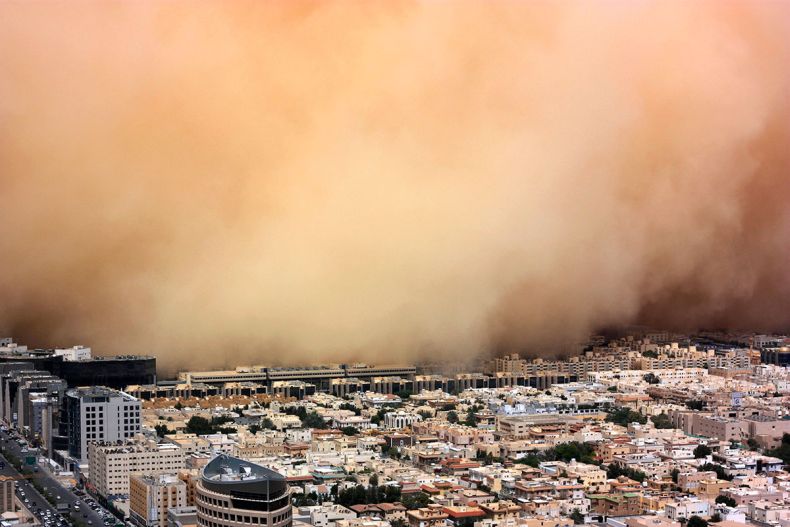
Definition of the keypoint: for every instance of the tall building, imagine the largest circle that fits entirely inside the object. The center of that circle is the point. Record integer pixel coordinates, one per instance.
(233, 493)
(7, 494)
(100, 414)
(111, 465)
(16, 387)
(151, 497)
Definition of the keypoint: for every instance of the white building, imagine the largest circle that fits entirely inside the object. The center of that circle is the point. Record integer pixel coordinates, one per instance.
(74, 353)
(98, 413)
(328, 514)
(686, 508)
(400, 419)
(7, 345)
(111, 465)
(356, 421)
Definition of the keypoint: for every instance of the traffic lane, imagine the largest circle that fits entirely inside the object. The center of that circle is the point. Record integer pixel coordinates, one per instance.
(31, 494)
(48, 481)
(53, 485)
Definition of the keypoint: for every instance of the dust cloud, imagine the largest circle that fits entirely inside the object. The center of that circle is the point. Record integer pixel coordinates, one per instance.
(223, 183)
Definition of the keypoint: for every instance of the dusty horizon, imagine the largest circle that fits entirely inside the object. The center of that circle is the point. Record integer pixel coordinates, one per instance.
(282, 183)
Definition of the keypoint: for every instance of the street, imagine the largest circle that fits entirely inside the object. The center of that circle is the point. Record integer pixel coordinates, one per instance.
(83, 514)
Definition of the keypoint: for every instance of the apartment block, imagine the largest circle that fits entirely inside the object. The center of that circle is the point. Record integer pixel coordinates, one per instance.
(111, 465)
(151, 497)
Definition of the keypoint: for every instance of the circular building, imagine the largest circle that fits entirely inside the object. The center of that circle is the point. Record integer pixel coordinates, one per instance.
(233, 492)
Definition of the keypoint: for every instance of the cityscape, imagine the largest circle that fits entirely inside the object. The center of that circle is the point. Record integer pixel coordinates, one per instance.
(652, 428)
(401, 263)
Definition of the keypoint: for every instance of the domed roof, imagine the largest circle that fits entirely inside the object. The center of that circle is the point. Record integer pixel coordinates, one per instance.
(233, 476)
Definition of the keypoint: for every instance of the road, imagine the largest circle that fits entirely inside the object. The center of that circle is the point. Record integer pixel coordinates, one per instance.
(44, 478)
(26, 491)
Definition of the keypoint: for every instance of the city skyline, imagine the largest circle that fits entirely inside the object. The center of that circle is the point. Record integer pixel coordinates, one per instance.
(256, 182)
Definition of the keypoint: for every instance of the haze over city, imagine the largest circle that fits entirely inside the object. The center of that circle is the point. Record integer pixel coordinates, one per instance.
(294, 182)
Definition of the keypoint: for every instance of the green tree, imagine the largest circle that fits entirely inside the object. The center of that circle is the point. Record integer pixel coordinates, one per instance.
(651, 378)
(267, 423)
(416, 500)
(783, 450)
(471, 418)
(254, 429)
(313, 420)
(726, 500)
(577, 517)
(390, 494)
(615, 471)
(695, 405)
(199, 425)
(349, 430)
(702, 451)
(350, 407)
(624, 416)
(530, 459)
(696, 521)
(161, 430)
(582, 452)
(662, 420)
(452, 417)
(718, 469)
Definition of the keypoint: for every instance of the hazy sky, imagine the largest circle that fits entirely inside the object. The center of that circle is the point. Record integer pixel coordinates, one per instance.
(276, 182)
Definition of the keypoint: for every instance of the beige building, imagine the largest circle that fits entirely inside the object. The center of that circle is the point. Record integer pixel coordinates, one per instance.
(723, 428)
(767, 431)
(592, 477)
(150, 498)
(431, 516)
(111, 465)
(182, 516)
(7, 494)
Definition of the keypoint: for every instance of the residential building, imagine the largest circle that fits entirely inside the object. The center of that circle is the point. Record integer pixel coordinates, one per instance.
(150, 498)
(111, 465)
(686, 508)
